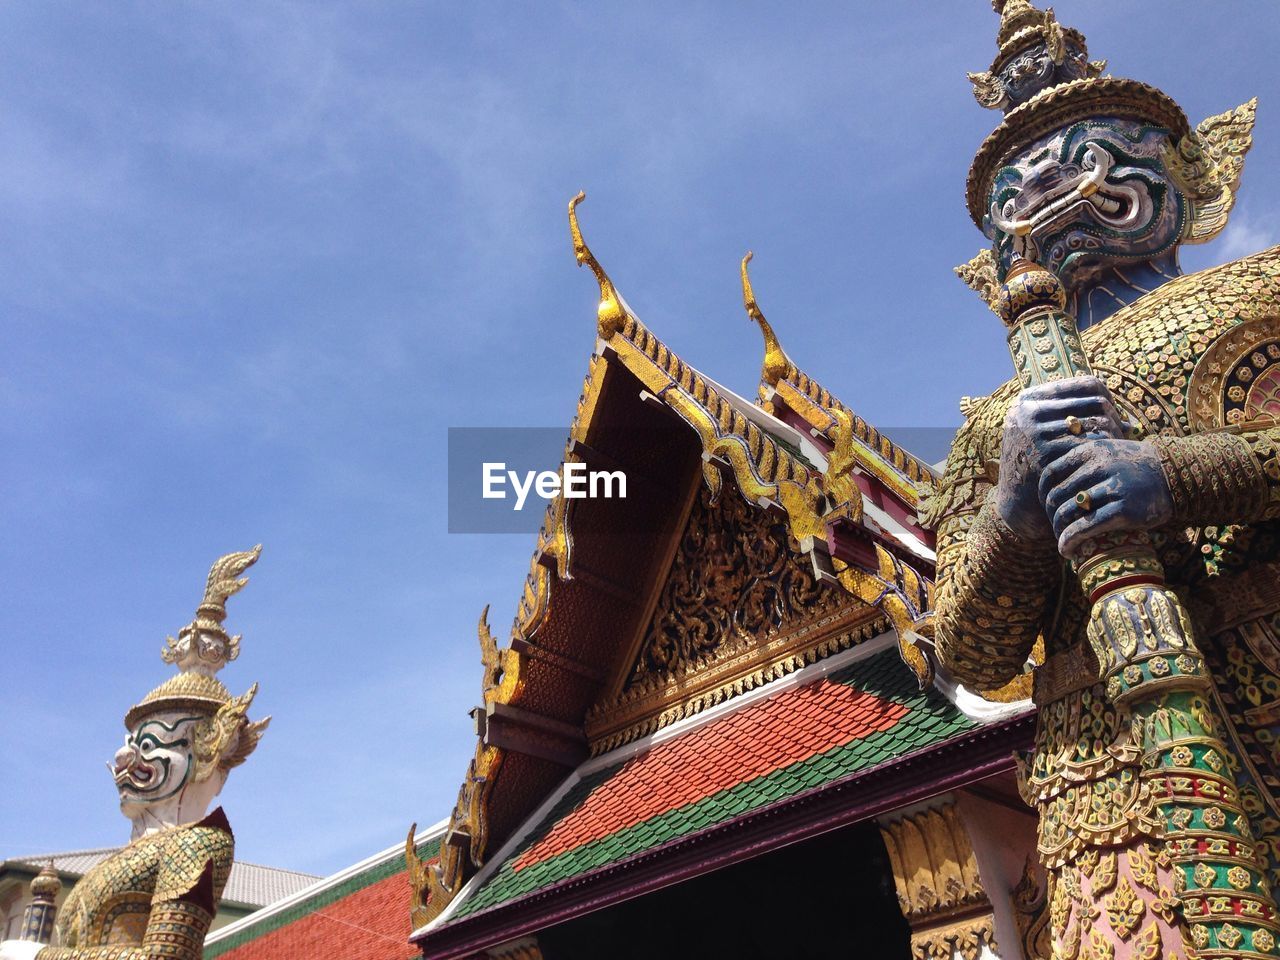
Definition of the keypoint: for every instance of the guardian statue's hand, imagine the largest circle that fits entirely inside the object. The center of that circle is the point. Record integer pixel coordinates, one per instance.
(1044, 423)
(1104, 485)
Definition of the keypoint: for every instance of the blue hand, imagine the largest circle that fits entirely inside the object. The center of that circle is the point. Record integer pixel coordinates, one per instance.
(1036, 433)
(1124, 484)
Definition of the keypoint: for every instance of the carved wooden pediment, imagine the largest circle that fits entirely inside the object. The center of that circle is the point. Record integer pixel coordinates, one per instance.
(739, 607)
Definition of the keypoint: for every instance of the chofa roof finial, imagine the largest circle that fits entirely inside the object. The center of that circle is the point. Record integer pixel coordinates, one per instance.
(776, 364)
(611, 315)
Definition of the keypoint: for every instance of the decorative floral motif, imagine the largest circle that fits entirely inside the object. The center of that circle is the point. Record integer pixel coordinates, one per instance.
(1204, 875)
(1124, 909)
(1229, 936)
(1147, 944)
(1182, 756)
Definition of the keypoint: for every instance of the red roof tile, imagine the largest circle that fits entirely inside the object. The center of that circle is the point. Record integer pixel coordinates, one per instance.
(786, 728)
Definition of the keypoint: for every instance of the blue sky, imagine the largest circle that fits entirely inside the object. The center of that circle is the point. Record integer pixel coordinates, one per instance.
(255, 259)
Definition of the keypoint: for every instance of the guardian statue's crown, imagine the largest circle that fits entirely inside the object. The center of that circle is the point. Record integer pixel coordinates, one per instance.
(204, 647)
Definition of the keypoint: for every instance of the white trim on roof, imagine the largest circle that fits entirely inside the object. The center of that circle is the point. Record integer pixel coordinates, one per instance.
(325, 883)
(802, 677)
(973, 705)
(892, 528)
(771, 424)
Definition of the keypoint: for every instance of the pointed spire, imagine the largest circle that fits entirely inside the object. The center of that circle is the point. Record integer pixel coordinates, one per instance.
(1027, 33)
(776, 364)
(1017, 15)
(611, 314)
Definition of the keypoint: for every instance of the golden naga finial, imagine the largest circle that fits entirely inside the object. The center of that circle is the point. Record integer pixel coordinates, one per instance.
(490, 655)
(218, 647)
(611, 315)
(225, 580)
(776, 364)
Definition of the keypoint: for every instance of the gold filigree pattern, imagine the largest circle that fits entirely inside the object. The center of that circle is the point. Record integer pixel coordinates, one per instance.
(740, 607)
(1207, 163)
(979, 275)
(734, 581)
(1031, 914)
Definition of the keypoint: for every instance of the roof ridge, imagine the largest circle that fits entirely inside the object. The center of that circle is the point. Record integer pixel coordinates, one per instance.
(265, 866)
(41, 858)
(28, 858)
(815, 405)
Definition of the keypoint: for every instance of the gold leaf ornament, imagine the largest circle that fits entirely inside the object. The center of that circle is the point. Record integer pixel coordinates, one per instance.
(987, 89)
(1204, 875)
(1142, 867)
(1147, 944)
(1099, 948)
(1230, 936)
(1124, 909)
(1105, 874)
(980, 275)
(1207, 163)
(226, 739)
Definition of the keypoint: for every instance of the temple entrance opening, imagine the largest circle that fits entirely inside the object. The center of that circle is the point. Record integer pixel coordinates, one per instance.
(830, 896)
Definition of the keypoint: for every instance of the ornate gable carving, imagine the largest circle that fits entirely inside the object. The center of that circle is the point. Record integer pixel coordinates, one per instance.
(733, 582)
(739, 607)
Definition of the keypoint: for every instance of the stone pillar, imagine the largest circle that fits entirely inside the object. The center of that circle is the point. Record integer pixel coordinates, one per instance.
(939, 890)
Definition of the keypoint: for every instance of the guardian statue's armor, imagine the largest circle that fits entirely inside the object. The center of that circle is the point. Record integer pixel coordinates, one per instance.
(157, 896)
(1117, 532)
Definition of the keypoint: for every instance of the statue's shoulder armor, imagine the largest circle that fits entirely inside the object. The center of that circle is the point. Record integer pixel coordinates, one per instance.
(971, 462)
(186, 851)
(1169, 356)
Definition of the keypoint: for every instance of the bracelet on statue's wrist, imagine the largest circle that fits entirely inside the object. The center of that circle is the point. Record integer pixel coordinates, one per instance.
(1212, 477)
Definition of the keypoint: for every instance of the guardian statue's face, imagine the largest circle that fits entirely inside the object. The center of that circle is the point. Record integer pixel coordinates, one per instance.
(1087, 198)
(156, 762)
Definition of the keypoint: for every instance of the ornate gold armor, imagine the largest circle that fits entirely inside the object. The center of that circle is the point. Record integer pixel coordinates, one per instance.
(1199, 356)
(155, 898)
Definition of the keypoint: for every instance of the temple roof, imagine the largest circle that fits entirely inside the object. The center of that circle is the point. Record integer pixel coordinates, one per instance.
(855, 715)
(847, 499)
(832, 725)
